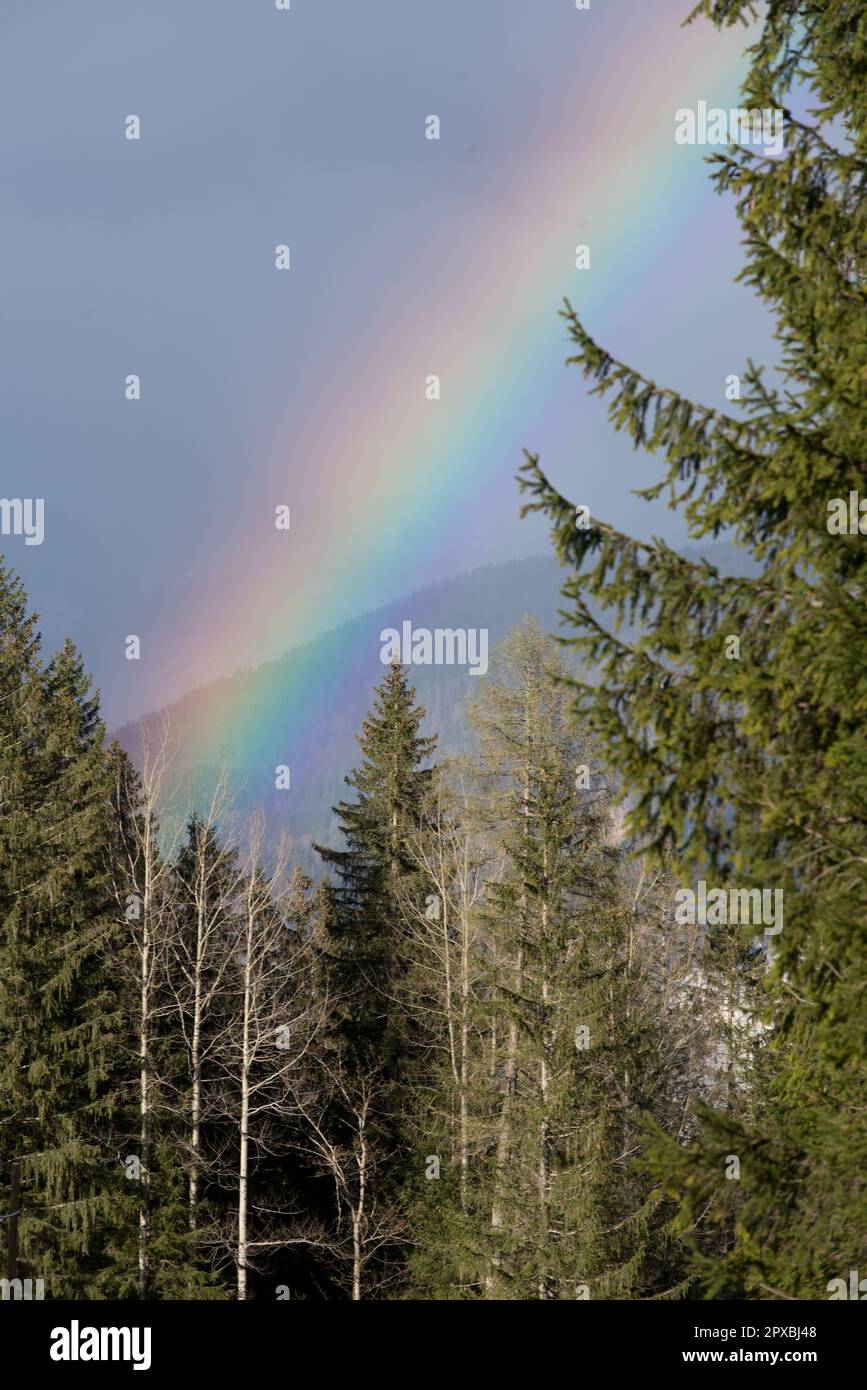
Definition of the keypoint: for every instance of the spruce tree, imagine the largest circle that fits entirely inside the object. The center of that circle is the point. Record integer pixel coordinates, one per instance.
(363, 942)
(61, 1056)
(373, 1048)
(753, 769)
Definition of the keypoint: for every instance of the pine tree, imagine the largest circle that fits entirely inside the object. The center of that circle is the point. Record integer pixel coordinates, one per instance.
(753, 769)
(61, 1058)
(363, 940)
(374, 1056)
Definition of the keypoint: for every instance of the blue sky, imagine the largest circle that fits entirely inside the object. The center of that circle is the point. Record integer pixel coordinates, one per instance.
(153, 258)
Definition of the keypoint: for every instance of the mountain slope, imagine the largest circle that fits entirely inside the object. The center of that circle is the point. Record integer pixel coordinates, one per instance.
(304, 710)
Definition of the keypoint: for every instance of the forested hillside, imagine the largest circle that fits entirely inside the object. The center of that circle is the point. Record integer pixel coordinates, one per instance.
(427, 1074)
(304, 710)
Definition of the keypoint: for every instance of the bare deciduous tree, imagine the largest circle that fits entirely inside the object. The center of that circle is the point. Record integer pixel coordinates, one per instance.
(269, 1031)
(142, 889)
(339, 1136)
(202, 956)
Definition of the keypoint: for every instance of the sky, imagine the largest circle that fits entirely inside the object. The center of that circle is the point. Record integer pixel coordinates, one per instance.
(306, 387)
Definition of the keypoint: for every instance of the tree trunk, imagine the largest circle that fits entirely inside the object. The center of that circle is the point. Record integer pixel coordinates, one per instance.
(465, 1047)
(504, 1140)
(144, 1220)
(196, 1065)
(244, 1147)
(358, 1214)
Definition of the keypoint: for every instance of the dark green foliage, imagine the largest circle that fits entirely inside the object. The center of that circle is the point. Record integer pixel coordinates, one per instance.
(755, 769)
(362, 936)
(61, 1054)
(480, 918)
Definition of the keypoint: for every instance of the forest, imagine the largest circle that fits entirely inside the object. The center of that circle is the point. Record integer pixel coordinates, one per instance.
(481, 1054)
(441, 1072)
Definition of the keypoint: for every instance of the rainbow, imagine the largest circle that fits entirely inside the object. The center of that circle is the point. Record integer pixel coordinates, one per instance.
(391, 459)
